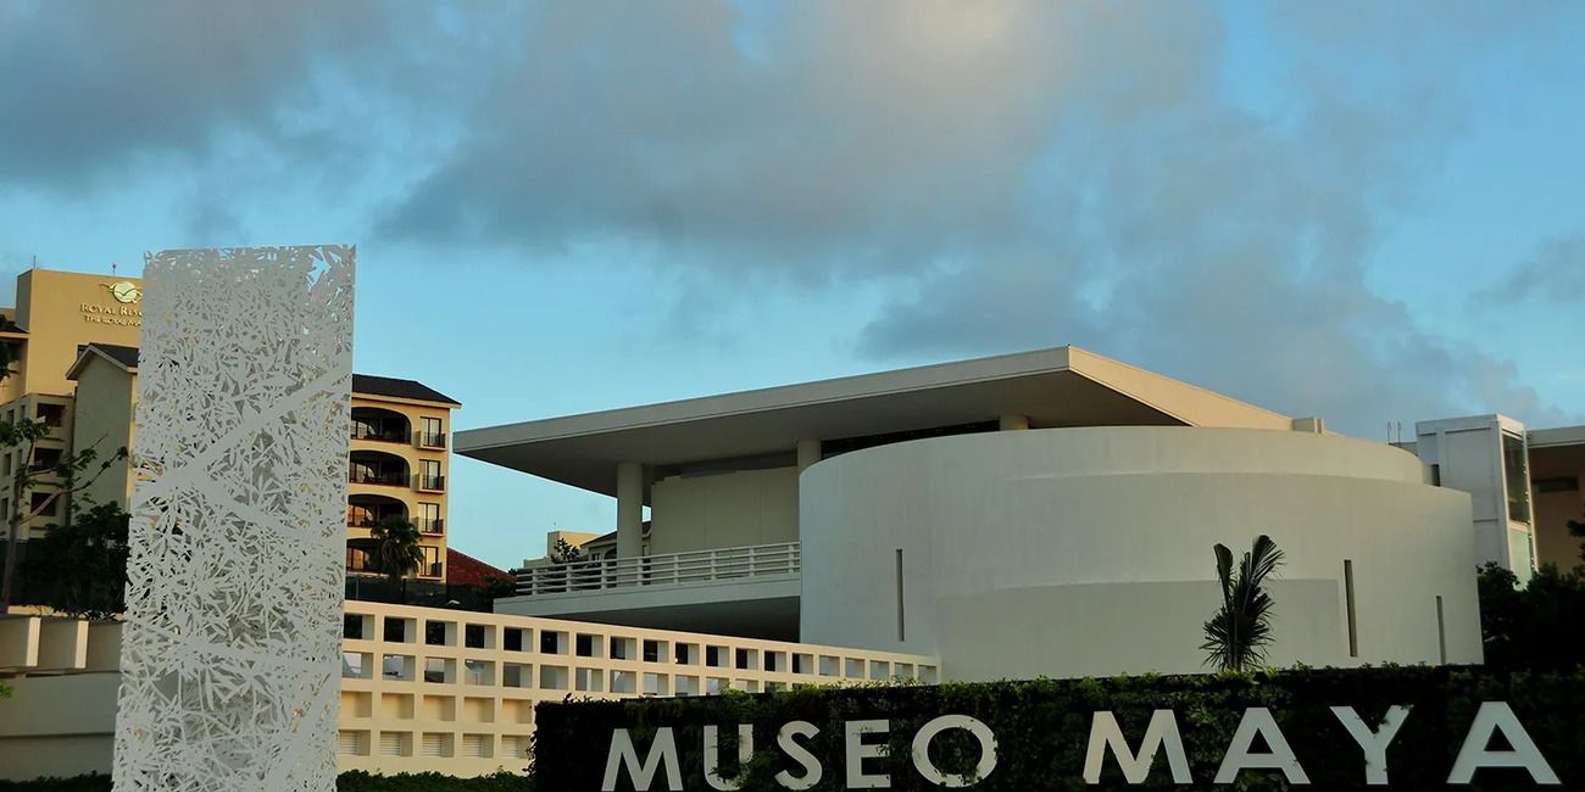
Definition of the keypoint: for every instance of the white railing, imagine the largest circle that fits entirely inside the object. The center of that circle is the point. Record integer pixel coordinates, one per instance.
(699, 566)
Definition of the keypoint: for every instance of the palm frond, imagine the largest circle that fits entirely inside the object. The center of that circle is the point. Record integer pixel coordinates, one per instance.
(1238, 634)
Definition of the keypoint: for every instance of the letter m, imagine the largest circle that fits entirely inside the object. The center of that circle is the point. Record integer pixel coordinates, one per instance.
(624, 754)
(1163, 731)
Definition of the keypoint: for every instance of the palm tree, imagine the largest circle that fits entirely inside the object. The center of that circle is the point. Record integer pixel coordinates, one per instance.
(396, 550)
(1236, 637)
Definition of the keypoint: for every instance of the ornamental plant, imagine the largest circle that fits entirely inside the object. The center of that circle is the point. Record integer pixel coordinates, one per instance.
(1237, 636)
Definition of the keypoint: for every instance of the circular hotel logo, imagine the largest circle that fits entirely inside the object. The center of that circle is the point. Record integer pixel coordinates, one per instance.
(125, 292)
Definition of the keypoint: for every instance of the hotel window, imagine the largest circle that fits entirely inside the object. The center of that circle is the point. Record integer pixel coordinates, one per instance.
(358, 560)
(429, 518)
(431, 566)
(1516, 474)
(430, 475)
(431, 433)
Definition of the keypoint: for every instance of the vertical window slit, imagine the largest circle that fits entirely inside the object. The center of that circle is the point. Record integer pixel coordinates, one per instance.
(1348, 596)
(1441, 631)
(901, 628)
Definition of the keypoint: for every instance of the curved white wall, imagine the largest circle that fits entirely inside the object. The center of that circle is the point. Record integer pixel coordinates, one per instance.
(1069, 552)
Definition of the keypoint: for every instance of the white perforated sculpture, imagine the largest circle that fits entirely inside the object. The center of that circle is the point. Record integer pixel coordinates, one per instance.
(230, 656)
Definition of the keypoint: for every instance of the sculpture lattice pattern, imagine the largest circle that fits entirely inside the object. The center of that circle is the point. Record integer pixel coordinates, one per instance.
(231, 655)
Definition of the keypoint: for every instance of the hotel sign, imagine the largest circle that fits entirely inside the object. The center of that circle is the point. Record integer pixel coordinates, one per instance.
(124, 309)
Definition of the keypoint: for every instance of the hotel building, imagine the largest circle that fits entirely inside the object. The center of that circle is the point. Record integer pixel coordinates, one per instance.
(74, 337)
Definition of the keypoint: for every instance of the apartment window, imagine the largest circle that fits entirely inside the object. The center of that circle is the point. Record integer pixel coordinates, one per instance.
(52, 414)
(1564, 484)
(358, 560)
(1516, 473)
(429, 518)
(46, 458)
(44, 504)
(431, 433)
(431, 566)
(429, 475)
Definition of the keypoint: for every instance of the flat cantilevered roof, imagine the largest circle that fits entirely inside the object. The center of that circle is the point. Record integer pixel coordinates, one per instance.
(1063, 386)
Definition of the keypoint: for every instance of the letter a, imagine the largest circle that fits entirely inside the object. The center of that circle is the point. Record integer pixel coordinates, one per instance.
(1258, 720)
(1495, 716)
(1162, 732)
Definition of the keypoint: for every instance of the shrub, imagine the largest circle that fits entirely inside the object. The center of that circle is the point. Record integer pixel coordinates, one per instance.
(1042, 728)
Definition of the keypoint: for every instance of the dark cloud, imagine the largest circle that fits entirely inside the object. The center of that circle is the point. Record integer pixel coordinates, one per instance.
(870, 136)
(1554, 273)
(95, 90)
(1016, 174)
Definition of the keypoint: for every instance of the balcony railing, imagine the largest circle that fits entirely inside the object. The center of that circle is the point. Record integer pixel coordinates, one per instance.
(701, 566)
(429, 439)
(391, 478)
(428, 483)
(431, 526)
(365, 432)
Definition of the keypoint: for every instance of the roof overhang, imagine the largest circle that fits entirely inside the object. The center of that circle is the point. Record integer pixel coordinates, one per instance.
(1556, 438)
(91, 353)
(1060, 387)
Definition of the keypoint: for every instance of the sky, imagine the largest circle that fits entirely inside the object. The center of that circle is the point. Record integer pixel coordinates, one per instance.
(1365, 211)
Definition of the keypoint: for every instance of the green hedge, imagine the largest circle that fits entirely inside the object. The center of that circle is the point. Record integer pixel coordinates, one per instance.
(1042, 728)
(355, 781)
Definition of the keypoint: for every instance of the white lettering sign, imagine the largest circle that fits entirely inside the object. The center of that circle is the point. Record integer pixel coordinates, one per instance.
(1162, 732)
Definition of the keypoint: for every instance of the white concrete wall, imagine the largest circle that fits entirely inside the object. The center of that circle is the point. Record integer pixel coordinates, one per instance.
(1083, 551)
(1468, 453)
(748, 507)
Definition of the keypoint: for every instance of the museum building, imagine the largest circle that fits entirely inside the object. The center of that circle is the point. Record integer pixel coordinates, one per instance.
(1043, 513)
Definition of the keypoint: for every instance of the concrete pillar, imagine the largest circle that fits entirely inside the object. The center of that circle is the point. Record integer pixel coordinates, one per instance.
(1011, 423)
(629, 509)
(808, 453)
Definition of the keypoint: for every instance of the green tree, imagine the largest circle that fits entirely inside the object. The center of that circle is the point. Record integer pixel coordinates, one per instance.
(80, 568)
(1576, 529)
(1239, 632)
(1534, 627)
(58, 480)
(396, 550)
(565, 552)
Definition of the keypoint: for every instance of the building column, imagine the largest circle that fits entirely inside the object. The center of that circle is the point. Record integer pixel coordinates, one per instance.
(808, 453)
(629, 509)
(1011, 423)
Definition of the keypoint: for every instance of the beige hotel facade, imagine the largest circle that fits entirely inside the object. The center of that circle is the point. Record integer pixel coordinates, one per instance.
(74, 339)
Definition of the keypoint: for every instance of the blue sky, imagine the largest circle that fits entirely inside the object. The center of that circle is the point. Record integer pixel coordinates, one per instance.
(1366, 211)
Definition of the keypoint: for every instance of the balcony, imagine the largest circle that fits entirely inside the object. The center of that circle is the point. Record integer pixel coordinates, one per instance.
(703, 566)
(431, 527)
(424, 482)
(388, 478)
(751, 591)
(433, 440)
(366, 432)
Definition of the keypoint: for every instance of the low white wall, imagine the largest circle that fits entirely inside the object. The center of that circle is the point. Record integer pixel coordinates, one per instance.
(749, 507)
(1070, 552)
